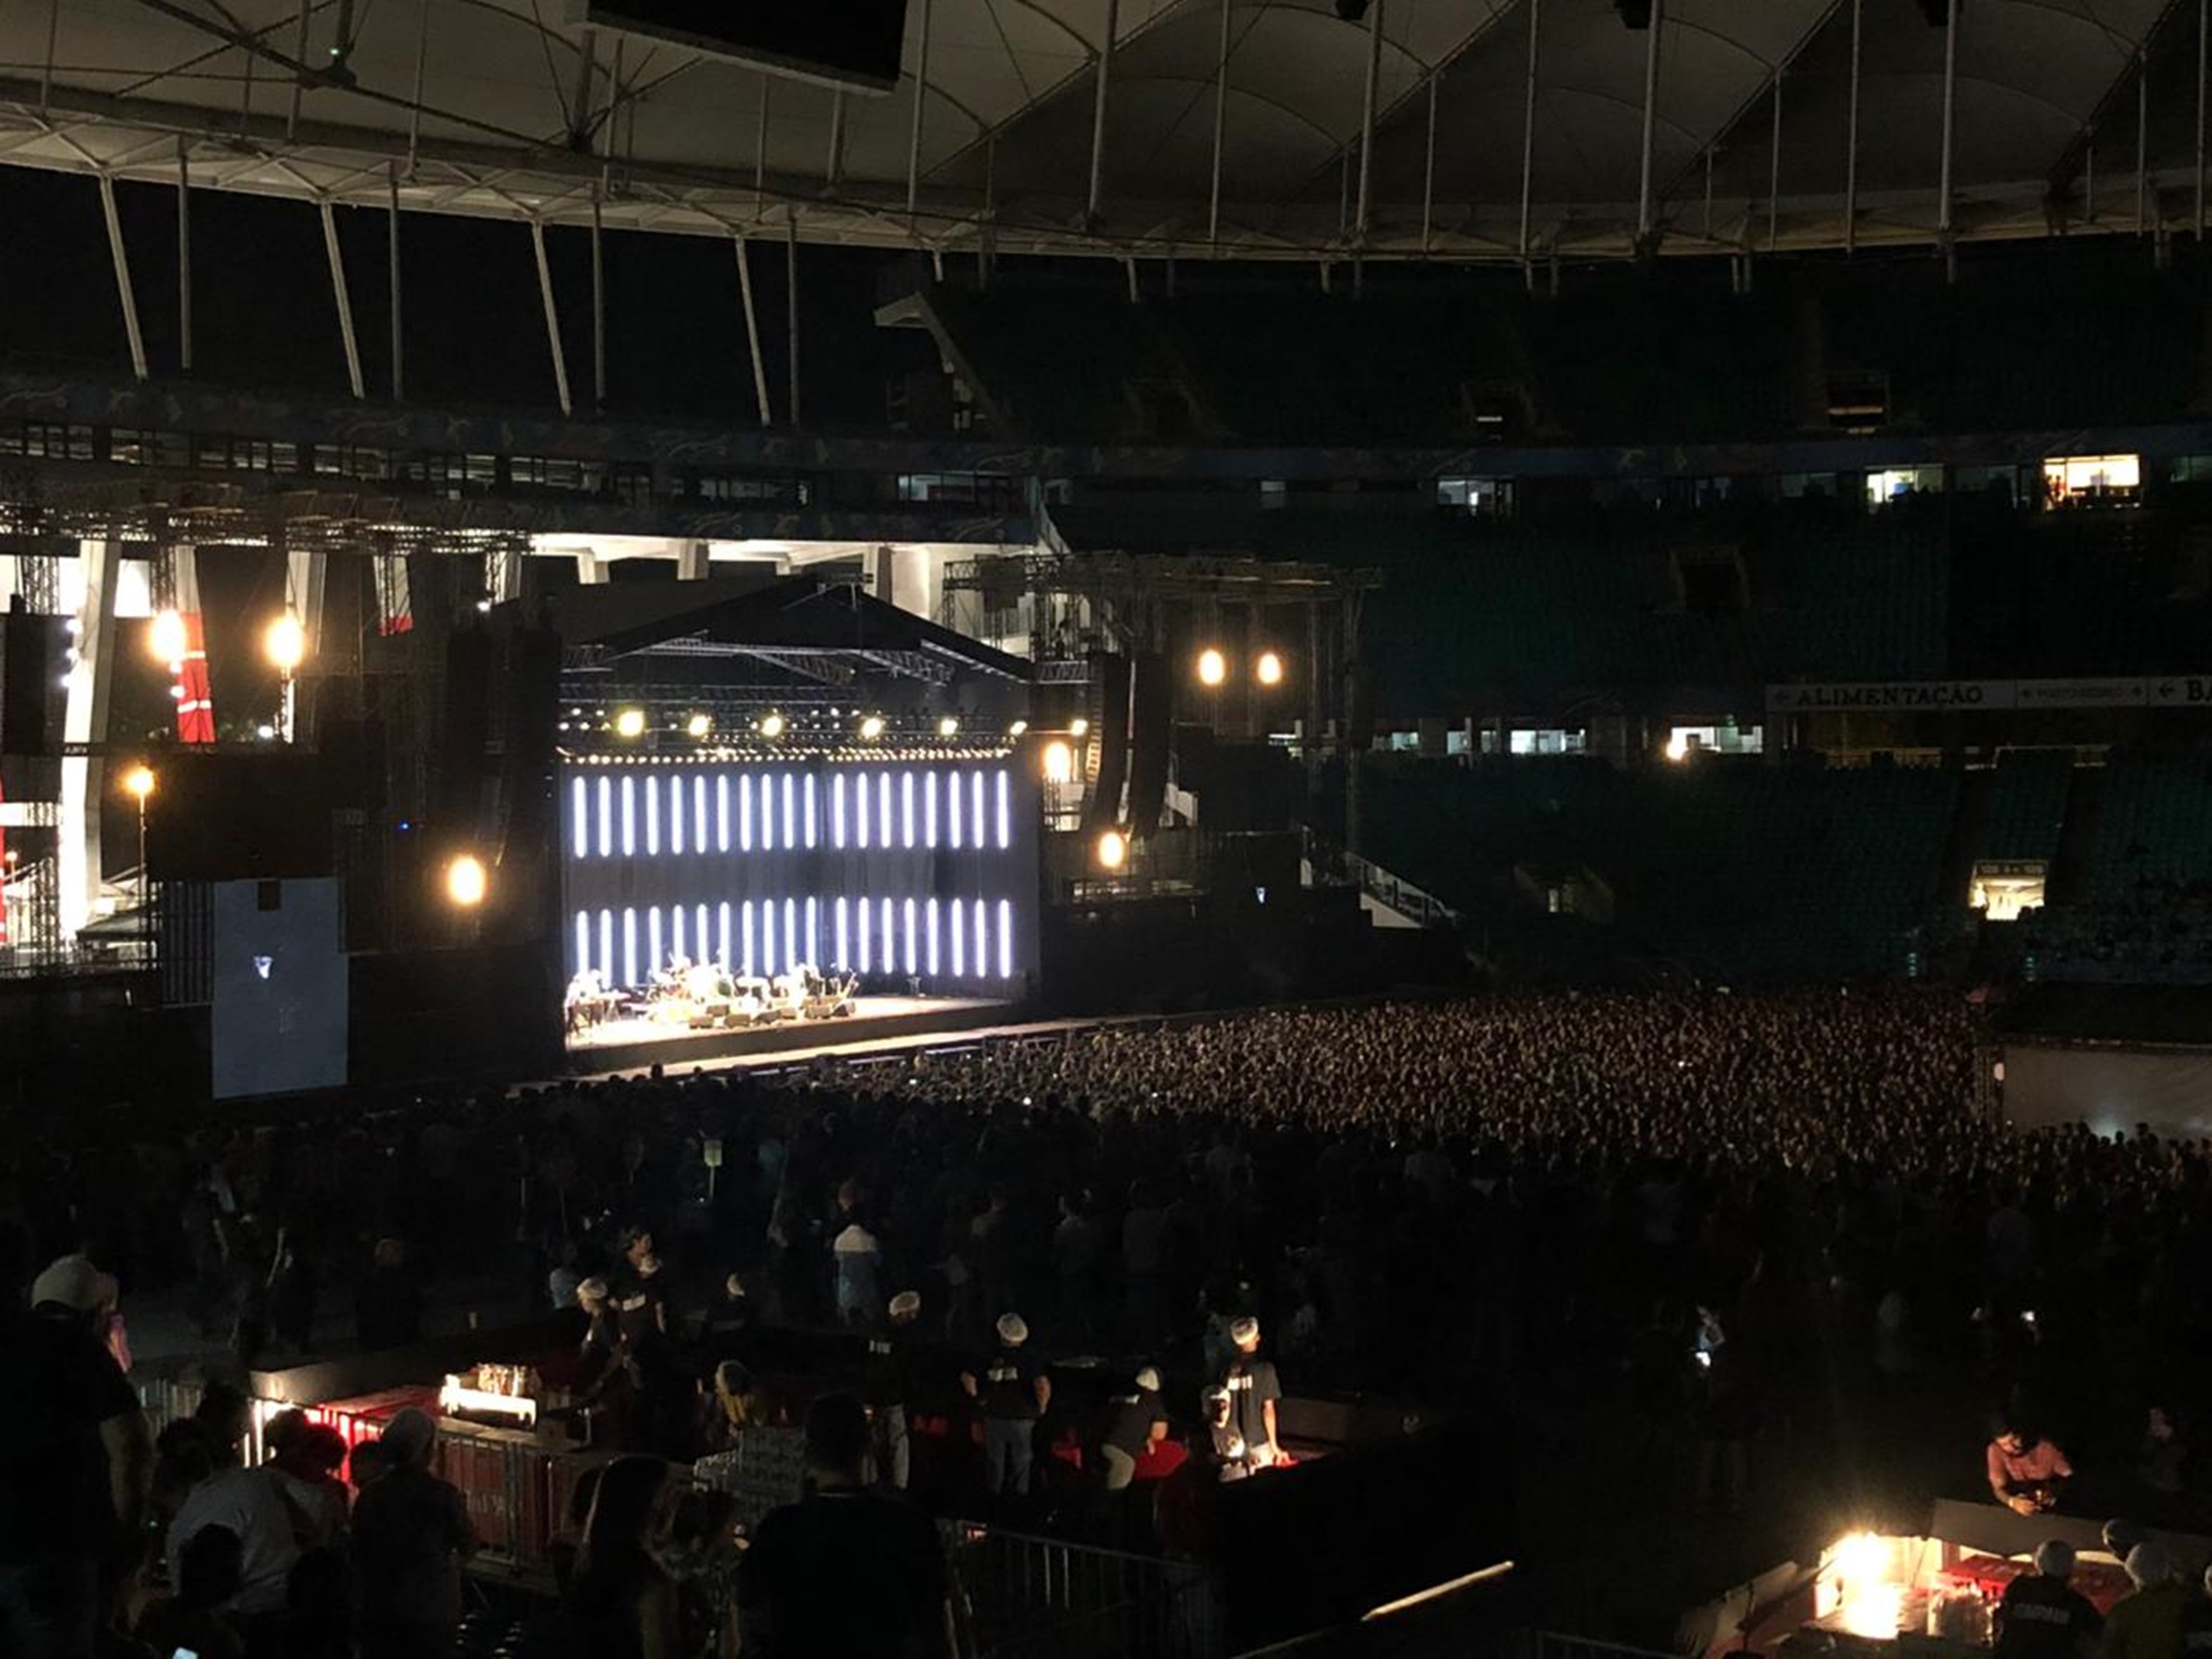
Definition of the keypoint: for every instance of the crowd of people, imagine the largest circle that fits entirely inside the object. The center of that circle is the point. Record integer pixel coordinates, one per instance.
(1718, 1214)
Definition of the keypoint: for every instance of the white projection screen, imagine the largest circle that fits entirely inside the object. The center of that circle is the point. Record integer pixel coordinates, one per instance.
(278, 1017)
(2111, 1089)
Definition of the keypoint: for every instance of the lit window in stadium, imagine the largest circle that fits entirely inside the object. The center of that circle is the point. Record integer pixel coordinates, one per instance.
(929, 809)
(1547, 740)
(1896, 483)
(1005, 938)
(722, 812)
(628, 818)
(579, 802)
(2076, 477)
(1479, 497)
(1727, 738)
(606, 817)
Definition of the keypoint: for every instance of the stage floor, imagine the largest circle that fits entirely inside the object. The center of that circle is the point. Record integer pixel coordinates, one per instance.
(628, 1045)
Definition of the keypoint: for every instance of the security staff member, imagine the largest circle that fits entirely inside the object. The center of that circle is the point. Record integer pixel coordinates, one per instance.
(1254, 1391)
(2040, 1616)
(887, 1384)
(1138, 1421)
(1013, 1393)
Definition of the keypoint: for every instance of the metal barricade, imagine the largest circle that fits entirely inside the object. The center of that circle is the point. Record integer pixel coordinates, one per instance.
(1019, 1596)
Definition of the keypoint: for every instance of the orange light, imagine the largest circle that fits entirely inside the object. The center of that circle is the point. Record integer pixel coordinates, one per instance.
(1213, 667)
(465, 882)
(1268, 671)
(1112, 848)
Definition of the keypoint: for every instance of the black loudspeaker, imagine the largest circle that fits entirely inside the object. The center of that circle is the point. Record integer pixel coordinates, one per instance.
(30, 675)
(1150, 696)
(533, 688)
(1109, 730)
(354, 761)
(467, 727)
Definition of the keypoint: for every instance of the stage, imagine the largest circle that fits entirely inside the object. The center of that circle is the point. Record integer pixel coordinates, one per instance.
(631, 1045)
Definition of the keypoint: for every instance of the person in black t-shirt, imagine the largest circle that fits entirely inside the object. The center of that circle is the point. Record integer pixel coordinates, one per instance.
(1253, 1392)
(1137, 1420)
(887, 1387)
(1013, 1393)
(844, 1571)
(2196, 1623)
(2040, 1616)
(76, 1462)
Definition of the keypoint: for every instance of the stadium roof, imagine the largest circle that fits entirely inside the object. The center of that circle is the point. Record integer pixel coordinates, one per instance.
(495, 107)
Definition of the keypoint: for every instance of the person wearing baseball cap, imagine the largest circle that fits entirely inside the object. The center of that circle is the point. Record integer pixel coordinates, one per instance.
(1138, 1421)
(887, 1384)
(1013, 1391)
(1254, 1391)
(2041, 1616)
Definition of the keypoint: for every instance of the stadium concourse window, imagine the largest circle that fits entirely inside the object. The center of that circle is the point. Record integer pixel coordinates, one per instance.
(2088, 480)
(1797, 486)
(1477, 497)
(2190, 470)
(1727, 738)
(351, 461)
(1545, 740)
(46, 440)
(130, 447)
(1898, 484)
(450, 475)
(985, 489)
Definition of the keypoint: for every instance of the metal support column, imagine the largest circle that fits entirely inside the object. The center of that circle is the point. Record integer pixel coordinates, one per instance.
(1098, 111)
(1651, 114)
(1367, 116)
(84, 722)
(1528, 129)
(2143, 144)
(422, 64)
(344, 298)
(1950, 92)
(832, 169)
(124, 293)
(914, 137)
(1429, 168)
(2203, 17)
(1774, 170)
(1220, 128)
(552, 315)
(184, 254)
(1851, 141)
(752, 331)
(599, 310)
(392, 242)
(791, 282)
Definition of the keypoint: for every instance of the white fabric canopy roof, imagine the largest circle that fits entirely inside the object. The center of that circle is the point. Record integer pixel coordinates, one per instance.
(487, 106)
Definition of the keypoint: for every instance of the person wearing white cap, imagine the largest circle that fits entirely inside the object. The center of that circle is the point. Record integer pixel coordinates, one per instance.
(2147, 1625)
(1014, 1393)
(858, 1257)
(1254, 1391)
(1137, 1423)
(411, 1533)
(886, 1382)
(2041, 1615)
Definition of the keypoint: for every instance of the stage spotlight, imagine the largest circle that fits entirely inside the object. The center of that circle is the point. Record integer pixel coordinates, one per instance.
(1268, 671)
(699, 726)
(1678, 748)
(1213, 667)
(1018, 728)
(629, 723)
(139, 782)
(1059, 761)
(948, 727)
(168, 641)
(1111, 849)
(871, 728)
(1079, 727)
(285, 643)
(466, 881)
(771, 725)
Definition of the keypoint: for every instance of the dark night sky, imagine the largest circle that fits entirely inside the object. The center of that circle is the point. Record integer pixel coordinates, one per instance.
(475, 329)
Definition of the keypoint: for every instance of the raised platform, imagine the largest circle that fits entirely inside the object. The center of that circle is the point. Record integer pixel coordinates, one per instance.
(629, 1045)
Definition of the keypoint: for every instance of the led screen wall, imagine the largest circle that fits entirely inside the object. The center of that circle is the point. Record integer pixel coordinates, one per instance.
(897, 871)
